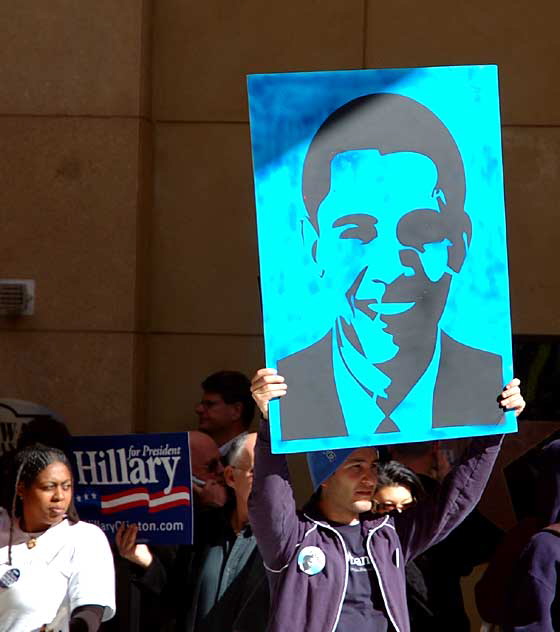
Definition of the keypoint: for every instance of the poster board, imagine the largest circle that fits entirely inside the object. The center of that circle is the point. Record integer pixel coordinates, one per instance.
(139, 478)
(383, 259)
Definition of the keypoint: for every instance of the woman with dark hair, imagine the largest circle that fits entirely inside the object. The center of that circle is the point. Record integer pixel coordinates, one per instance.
(56, 573)
(397, 488)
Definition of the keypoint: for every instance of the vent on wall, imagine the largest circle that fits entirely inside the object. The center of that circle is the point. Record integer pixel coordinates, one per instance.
(17, 297)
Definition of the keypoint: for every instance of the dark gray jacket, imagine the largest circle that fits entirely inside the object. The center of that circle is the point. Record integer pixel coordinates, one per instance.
(166, 595)
(313, 602)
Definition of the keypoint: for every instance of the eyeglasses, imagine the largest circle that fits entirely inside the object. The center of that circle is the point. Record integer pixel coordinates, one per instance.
(214, 466)
(250, 471)
(388, 506)
(209, 403)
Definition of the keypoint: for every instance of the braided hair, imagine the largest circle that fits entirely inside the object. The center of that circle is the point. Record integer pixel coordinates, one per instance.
(27, 465)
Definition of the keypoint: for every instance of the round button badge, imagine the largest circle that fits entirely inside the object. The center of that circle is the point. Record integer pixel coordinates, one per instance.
(9, 577)
(311, 560)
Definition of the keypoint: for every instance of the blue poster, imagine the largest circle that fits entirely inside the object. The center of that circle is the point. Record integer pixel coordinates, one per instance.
(382, 244)
(139, 478)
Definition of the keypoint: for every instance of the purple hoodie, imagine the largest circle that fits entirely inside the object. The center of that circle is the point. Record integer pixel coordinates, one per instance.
(534, 599)
(312, 603)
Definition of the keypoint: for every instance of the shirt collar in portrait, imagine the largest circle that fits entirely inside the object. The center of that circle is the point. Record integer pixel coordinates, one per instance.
(356, 378)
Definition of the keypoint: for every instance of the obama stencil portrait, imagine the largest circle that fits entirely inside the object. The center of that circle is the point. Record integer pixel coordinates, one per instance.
(378, 196)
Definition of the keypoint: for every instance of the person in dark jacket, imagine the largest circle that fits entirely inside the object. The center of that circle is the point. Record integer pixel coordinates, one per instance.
(336, 566)
(439, 606)
(229, 587)
(219, 584)
(143, 573)
(533, 599)
(399, 488)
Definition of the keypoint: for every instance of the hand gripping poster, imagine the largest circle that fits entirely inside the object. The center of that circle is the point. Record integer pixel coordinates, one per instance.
(383, 258)
(142, 479)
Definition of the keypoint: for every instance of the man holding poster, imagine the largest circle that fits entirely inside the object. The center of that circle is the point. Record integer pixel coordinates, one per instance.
(335, 566)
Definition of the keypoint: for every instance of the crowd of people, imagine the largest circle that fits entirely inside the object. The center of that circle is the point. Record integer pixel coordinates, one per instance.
(381, 544)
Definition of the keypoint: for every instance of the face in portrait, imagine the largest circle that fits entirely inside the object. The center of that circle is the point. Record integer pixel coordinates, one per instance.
(384, 190)
(372, 253)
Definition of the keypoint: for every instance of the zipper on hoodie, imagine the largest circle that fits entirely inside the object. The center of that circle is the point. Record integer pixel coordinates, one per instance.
(385, 601)
(328, 526)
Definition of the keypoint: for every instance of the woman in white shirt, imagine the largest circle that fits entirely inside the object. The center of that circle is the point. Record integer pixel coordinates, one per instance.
(56, 573)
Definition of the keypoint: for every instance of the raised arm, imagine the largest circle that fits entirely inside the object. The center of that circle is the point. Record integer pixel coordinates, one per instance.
(434, 517)
(272, 508)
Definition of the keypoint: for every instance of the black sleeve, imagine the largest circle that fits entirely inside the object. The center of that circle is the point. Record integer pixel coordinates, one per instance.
(86, 619)
(472, 543)
(156, 577)
(153, 578)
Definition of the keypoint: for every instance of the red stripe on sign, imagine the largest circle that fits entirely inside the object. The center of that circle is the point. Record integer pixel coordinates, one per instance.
(131, 505)
(140, 497)
(175, 503)
(175, 490)
(128, 492)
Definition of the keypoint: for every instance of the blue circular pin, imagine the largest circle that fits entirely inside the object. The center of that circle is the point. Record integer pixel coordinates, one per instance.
(9, 577)
(311, 560)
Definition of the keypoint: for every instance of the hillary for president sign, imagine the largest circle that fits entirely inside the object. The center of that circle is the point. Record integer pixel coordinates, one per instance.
(142, 479)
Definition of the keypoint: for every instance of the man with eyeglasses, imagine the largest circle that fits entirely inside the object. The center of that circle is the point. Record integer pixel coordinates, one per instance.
(227, 581)
(226, 408)
(154, 570)
(220, 583)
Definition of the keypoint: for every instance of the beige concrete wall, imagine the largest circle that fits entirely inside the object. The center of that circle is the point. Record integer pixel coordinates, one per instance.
(75, 183)
(66, 57)
(204, 50)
